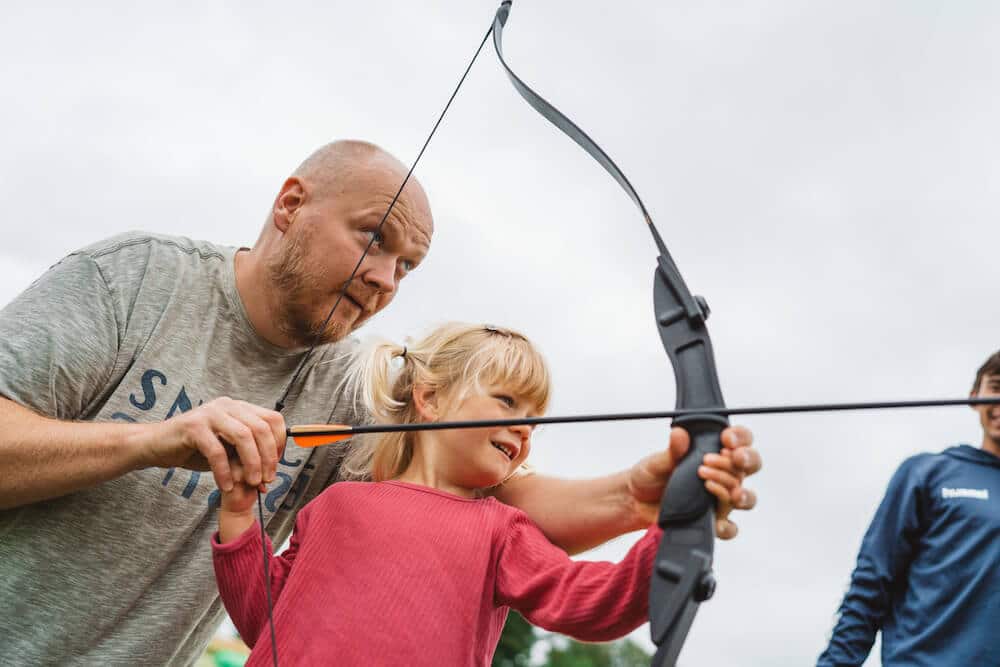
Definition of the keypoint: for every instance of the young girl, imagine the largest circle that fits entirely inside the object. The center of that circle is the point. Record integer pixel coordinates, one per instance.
(419, 566)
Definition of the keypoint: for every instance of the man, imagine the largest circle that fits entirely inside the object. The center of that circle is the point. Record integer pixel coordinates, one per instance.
(112, 366)
(928, 573)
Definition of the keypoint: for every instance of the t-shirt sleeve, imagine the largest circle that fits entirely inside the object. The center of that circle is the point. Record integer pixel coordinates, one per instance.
(883, 563)
(59, 340)
(588, 600)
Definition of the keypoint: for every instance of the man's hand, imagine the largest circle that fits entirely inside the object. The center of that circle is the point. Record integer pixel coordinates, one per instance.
(723, 474)
(208, 436)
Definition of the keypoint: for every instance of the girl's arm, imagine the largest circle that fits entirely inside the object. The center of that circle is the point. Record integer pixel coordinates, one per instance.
(588, 600)
(239, 568)
(576, 514)
(236, 511)
(580, 514)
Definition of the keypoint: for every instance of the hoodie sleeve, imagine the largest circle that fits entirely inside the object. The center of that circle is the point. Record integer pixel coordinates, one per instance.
(589, 600)
(881, 571)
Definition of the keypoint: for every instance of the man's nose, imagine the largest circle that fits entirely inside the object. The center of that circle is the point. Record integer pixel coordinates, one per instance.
(380, 273)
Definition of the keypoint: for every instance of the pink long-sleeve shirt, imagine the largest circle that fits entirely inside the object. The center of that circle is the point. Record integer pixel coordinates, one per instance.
(391, 573)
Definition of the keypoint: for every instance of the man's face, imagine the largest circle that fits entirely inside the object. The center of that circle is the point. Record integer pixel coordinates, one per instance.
(989, 415)
(328, 235)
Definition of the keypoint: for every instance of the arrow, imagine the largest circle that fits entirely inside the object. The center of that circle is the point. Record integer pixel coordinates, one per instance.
(316, 435)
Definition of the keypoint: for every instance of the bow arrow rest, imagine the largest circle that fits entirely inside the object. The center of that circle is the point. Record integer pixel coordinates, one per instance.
(318, 435)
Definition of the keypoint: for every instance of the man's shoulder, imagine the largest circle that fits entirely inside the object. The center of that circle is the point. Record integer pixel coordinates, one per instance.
(169, 264)
(920, 470)
(134, 244)
(919, 464)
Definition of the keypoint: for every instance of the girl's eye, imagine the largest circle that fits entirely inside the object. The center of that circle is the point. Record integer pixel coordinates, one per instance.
(407, 265)
(506, 400)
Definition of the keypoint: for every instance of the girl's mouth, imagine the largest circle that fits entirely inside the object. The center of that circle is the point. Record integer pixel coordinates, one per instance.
(506, 449)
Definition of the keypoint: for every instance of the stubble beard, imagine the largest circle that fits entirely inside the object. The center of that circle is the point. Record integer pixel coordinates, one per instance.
(293, 280)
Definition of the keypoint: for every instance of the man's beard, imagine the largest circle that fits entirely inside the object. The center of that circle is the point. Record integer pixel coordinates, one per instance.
(296, 310)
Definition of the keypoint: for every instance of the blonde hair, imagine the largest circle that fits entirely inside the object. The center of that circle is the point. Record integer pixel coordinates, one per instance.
(453, 360)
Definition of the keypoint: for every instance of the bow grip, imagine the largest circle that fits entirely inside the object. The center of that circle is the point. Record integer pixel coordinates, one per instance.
(686, 498)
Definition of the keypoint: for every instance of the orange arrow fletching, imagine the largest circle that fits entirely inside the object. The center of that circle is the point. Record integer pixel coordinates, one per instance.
(307, 436)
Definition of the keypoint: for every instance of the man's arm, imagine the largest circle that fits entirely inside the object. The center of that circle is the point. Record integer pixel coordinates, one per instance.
(578, 515)
(883, 562)
(45, 458)
(59, 343)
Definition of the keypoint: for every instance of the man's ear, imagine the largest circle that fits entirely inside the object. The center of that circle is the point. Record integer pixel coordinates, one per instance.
(425, 400)
(290, 199)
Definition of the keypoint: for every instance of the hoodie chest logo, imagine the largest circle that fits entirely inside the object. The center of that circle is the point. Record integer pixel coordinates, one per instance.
(977, 494)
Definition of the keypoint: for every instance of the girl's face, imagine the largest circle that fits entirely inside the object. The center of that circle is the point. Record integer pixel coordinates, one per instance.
(483, 457)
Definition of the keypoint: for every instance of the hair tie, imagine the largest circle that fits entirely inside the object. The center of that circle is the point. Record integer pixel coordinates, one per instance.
(403, 353)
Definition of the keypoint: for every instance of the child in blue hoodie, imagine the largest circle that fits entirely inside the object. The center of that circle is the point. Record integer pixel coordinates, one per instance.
(928, 573)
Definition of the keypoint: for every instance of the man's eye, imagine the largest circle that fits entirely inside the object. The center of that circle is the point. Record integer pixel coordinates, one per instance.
(376, 236)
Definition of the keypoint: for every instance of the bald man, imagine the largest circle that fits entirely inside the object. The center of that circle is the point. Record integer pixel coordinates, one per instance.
(117, 368)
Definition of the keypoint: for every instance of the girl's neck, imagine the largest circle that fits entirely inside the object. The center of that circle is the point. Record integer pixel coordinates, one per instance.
(425, 476)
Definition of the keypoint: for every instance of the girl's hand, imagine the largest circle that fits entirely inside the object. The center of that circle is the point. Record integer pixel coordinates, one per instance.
(723, 474)
(236, 512)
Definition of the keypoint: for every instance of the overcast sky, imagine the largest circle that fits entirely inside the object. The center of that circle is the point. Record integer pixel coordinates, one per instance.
(825, 173)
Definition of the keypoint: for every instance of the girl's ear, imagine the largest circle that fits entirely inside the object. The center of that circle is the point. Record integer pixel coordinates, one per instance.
(425, 400)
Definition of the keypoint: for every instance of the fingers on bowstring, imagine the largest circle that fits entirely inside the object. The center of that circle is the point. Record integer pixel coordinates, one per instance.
(259, 438)
(273, 422)
(215, 454)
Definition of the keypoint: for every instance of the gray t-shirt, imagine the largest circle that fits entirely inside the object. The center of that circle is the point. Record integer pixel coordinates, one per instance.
(138, 328)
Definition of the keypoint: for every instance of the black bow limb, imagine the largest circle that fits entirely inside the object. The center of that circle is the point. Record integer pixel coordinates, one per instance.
(682, 574)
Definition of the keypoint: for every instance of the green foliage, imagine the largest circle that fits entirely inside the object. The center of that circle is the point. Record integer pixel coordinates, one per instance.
(514, 649)
(622, 653)
(519, 637)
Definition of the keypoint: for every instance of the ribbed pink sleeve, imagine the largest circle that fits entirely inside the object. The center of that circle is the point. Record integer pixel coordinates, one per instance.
(239, 572)
(588, 600)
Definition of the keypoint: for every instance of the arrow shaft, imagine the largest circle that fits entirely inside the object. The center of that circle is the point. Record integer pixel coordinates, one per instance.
(637, 416)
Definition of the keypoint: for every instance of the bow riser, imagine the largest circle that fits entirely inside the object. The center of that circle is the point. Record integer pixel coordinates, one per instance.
(680, 320)
(682, 573)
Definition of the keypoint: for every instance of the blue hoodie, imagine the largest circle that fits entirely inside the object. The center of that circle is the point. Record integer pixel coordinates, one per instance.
(928, 573)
